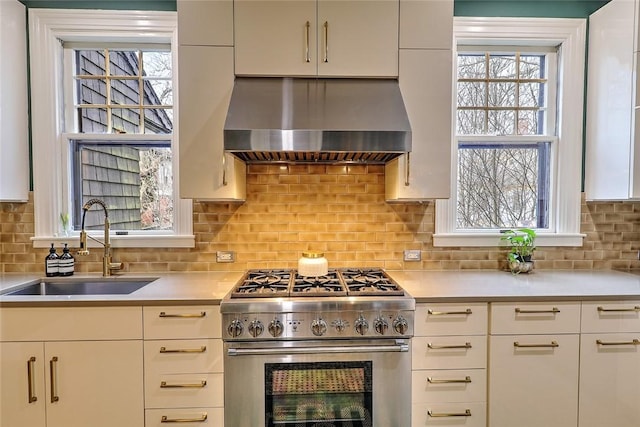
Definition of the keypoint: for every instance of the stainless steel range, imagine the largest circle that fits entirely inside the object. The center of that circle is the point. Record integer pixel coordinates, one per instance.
(322, 351)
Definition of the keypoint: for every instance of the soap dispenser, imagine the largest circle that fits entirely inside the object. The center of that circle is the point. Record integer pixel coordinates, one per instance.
(51, 263)
(66, 263)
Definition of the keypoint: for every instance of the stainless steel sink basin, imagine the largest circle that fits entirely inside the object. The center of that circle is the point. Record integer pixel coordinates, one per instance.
(81, 286)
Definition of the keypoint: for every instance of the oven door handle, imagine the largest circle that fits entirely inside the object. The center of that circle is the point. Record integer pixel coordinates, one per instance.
(400, 347)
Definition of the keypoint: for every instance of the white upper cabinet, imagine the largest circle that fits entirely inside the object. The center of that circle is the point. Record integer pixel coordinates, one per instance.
(323, 37)
(612, 162)
(14, 140)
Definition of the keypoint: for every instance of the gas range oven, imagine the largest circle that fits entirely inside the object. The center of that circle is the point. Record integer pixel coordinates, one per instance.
(332, 350)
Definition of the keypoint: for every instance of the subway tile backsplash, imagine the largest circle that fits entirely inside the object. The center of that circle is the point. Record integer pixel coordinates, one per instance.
(339, 210)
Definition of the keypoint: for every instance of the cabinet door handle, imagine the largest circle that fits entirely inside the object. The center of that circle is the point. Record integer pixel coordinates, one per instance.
(407, 169)
(466, 413)
(618, 310)
(447, 313)
(184, 350)
(201, 384)
(450, 381)
(552, 344)
(31, 380)
(224, 169)
(201, 314)
(441, 347)
(553, 310)
(53, 376)
(326, 41)
(635, 341)
(201, 419)
(307, 53)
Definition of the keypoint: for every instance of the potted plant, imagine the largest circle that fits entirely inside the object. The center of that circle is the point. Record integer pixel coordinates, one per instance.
(522, 241)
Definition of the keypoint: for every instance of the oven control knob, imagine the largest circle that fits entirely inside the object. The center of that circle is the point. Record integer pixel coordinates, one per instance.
(361, 325)
(235, 328)
(275, 328)
(381, 325)
(256, 328)
(400, 325)
(318, 327)
(340, 325)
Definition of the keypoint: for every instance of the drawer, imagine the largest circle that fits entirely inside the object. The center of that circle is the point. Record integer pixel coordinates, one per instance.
(611, 316)
(451, 319)
(458, 352)
(472, 414)
(213, 417)
(182, 322)
(449, 386)
(183, 356)
(535, 318)
(184, 390)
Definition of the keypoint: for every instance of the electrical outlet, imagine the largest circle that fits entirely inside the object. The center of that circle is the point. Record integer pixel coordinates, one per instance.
(225, 256)
(412, 255)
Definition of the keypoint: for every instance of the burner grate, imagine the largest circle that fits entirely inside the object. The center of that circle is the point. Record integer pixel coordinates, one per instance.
(263, 283)
(369, 281)
(327, 285)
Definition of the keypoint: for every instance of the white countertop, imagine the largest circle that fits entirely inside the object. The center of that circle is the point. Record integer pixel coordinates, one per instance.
(424, 286)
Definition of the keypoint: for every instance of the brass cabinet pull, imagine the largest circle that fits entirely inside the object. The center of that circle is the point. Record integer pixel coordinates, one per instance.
(53, 376)
(440, 347)
(166, 419)
(634, 341)
(407, 169)
(224, 169)
(184, 350)
(201, 314)
(553, 310)
(30, 380)
(326, 41)
(447, 313)
(453, 381)
(618, 310)
(307, 54)
(201, 384)
(553, 344)
(466, 413)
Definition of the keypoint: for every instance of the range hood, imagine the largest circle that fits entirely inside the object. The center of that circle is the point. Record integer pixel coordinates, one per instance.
(302, 120)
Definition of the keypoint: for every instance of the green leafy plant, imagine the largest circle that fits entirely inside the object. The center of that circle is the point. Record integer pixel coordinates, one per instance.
(522, 241)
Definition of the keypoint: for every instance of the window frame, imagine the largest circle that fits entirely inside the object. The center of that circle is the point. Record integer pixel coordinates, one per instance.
(566, 167)
(52, 180)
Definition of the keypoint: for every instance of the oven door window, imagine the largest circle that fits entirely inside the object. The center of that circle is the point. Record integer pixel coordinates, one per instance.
(321, 394)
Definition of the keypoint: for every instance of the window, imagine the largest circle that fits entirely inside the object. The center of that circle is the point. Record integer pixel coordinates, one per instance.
(518, 133)
(113, 131)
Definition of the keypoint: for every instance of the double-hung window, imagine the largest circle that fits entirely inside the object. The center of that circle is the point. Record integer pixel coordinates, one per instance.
(518, 131)
(103, 125)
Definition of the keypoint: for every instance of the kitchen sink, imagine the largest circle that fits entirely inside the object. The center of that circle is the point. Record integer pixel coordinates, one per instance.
(84, 286)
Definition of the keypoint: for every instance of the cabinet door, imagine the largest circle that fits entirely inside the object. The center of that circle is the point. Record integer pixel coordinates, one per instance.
(425, 81)
(272, 37)
(358, 38)
(97, 384)
(206, 82)
(22, 395)
(609, 380)
(533, 386)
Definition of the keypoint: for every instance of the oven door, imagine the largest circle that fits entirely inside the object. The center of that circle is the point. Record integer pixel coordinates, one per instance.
(332, 383)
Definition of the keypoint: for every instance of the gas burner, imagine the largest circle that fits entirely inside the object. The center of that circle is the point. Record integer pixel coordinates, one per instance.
(327, 285)
(263, 283)
(369, 281)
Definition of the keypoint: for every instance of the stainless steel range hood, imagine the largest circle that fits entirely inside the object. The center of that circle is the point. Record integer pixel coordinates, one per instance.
(304, 120)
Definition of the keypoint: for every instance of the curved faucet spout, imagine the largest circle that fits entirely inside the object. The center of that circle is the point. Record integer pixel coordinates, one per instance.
(107, 265)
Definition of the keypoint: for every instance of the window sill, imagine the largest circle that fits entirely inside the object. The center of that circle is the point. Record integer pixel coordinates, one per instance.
(493, 239)
(132, 241)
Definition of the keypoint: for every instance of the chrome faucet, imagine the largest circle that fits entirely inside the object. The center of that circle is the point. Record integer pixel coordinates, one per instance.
(107, 264)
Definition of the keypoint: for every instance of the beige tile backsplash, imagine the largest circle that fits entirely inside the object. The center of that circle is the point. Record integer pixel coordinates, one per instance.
(339, 210)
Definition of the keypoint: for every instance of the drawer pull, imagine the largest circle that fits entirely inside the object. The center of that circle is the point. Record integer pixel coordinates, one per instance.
(618, 310)
(201, 314)
(635, 341)
(447, 313)
(53, 377)
(183, 350)
(434, 381)
(441, 347)
(201, 384)
(201, 419)
(553, 310)
(553, 344)
(466, 413)
(31, 385)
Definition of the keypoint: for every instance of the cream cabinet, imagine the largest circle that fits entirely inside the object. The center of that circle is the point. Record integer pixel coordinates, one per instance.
(183, 366)
(449, 359)
(533, 364)
(610, 364)
(67, 367)
(205, 77)
(316, 37)
(14, 138)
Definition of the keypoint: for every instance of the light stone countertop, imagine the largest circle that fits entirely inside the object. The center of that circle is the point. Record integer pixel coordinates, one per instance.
(424, 286)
